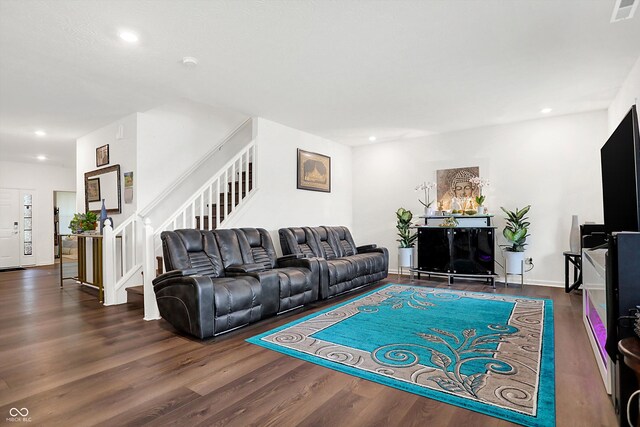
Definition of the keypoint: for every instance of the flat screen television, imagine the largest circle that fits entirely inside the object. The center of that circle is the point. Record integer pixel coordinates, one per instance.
(620, 158)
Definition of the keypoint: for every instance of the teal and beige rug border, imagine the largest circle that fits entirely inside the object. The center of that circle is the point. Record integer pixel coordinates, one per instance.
(541, 414)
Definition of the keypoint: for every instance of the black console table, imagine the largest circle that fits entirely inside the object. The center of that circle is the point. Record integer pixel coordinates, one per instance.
(467, 250)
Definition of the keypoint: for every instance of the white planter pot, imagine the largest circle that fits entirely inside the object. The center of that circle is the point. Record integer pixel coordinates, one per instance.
(405, 257)
(428, 211)
(482, 210)
(514, 262)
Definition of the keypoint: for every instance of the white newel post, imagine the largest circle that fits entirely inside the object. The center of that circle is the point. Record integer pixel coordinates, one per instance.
(108, 264)
(150, 305)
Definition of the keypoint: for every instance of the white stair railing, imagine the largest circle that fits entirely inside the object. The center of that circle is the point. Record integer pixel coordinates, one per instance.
(207, 209)
(121, 261)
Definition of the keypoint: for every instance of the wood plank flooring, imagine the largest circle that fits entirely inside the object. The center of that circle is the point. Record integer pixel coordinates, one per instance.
(71, 361)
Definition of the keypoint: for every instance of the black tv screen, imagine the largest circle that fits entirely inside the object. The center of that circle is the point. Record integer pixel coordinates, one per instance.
(620, 158)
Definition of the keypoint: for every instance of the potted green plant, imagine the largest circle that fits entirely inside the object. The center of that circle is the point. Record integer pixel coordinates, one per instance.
(82, 222)
(406, 237)
(516, 232)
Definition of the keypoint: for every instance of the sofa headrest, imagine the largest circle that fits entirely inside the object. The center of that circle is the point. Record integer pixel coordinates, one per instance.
(322, 232)
(253, 236)
(192, 239)
(300, 235)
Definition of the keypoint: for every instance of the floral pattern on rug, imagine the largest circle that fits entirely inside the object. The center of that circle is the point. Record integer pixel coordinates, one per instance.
(497, 363)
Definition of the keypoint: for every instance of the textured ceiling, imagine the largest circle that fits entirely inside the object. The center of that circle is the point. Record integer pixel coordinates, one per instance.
(339, 69)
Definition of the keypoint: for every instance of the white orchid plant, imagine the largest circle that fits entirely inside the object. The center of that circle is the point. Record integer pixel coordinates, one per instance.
(426, 187)
(480, 183)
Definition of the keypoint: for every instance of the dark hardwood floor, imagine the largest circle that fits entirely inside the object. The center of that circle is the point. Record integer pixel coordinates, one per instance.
(71, 361)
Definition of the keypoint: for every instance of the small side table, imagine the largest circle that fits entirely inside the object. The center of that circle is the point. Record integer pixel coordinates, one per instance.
(630, 349)
(574, 258)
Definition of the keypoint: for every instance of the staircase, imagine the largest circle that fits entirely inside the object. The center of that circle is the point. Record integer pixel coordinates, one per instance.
(207, 209)
(135, 295)
(122, 265)
(134, 247)
(237, 191)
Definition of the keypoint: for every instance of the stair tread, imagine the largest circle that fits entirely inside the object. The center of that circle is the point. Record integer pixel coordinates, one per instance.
(136, 289)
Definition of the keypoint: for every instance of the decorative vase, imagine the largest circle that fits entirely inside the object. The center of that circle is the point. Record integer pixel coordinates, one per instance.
(574, 235)
(103, 216)
(405, 256)
(428, 211)
(482, 210)
(514, 262)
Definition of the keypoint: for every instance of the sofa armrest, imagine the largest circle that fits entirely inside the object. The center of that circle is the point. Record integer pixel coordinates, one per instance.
(175, 273)
(365, 248)
(298, 260)
(186, 301)
(245, 268)
(289, 257)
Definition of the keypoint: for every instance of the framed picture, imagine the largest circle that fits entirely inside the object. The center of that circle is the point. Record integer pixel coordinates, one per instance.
(314, 171)
(128, 187)
(456, 184)
(93, 190)
(102, 155)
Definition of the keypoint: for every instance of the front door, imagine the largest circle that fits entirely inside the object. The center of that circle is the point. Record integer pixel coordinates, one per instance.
(9, 231)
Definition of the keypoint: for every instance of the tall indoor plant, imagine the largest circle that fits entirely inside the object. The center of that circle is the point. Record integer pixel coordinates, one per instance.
(516, 232)
(406, 237)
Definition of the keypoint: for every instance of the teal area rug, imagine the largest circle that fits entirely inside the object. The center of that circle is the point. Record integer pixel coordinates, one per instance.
(488, 353)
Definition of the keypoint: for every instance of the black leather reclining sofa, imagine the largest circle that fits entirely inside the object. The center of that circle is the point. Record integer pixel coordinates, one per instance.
(346, 266)
(221, 280)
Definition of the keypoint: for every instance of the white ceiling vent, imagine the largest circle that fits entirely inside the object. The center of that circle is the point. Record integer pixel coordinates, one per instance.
(624, 9)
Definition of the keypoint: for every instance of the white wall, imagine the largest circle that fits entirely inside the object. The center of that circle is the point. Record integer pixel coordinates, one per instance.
(278, 203)
(628, 95)
(121, 152)
(172, 138)
(66, 202)
(44, 180)
(552, 164)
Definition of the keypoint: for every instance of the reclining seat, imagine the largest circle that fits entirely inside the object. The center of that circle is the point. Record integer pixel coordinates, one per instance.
(292, 281)
(371, 263)
(342, 272)
(195, 296)
(336, 274)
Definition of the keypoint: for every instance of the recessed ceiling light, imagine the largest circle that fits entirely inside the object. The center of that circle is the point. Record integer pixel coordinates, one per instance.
(372, 138)
(189, 61)
(546, 110)
(128, 36)
(40, 133)
(41, 157)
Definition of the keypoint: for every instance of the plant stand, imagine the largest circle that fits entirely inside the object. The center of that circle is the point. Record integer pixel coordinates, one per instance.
(410, 267)
(521, 274)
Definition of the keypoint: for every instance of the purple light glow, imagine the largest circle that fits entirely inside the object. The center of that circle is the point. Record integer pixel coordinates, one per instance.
(598, 328)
